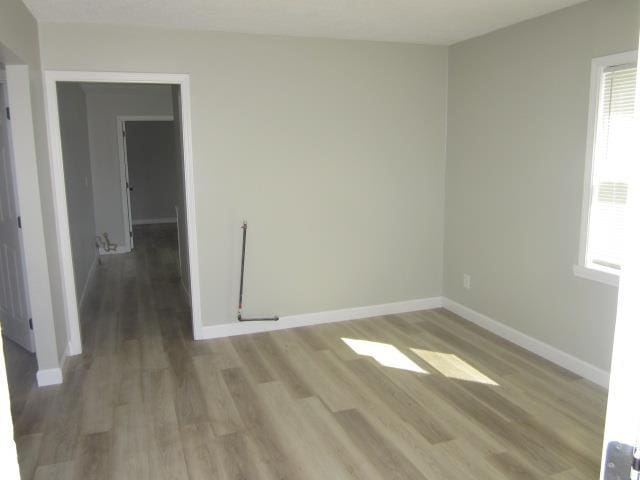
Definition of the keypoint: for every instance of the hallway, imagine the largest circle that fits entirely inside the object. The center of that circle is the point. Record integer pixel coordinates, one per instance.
(135, 302)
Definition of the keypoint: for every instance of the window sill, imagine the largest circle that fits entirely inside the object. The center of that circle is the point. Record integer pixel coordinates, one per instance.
(596, 275)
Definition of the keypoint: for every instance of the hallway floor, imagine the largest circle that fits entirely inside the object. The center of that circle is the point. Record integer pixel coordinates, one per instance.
(415, 396)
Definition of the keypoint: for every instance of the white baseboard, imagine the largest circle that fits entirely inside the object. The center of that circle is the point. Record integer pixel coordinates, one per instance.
(87, 283)
(70, 352)
(53, 376)
(119, 249)
(153, 221)
(306, 319)
(563, 359)
(49, 376)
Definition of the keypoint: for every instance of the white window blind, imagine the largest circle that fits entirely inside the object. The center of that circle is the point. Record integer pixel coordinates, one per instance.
(612, 157)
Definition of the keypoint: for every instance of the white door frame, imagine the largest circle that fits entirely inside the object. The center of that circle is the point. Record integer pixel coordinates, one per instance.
(124, 169)
(51, 77)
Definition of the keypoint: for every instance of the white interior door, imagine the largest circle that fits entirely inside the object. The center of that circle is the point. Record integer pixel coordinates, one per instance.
(622, 429)
(14, 306)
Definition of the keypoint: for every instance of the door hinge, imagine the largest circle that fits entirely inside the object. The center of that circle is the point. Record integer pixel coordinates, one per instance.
(130, 233)
(622, 462)
(19, 221)
(124, 133)
(8, 110)
(31, 323)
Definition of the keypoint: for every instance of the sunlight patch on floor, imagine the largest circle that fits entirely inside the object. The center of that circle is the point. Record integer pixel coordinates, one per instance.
(452, 366)
(384, 353)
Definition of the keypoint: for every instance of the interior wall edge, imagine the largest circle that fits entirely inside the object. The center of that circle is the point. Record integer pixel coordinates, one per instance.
(88, 282)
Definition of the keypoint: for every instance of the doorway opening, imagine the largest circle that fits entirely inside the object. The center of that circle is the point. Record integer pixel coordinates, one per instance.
(123, 185)
(147, 152)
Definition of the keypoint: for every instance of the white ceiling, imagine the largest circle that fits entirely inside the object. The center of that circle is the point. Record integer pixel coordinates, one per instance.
(438, 22)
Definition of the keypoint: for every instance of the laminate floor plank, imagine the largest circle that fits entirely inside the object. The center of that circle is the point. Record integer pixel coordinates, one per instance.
(222, 353)
(95, 459)
(511, 466)
(387, 457)
(222, 413)
(329, 432)
(28, 447)
(261, 429)
(311, 338)
(309, 456)
(568, 475)
(131, 439)
(429, 426)
(464, 461)
(386, 421)
(251, 358)
(239, 460)
(56, 471)
(423, 395)
(200, 447)
(457, 421)
(280, 367)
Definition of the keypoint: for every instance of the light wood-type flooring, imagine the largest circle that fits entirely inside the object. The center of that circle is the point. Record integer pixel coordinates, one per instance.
(413, 396)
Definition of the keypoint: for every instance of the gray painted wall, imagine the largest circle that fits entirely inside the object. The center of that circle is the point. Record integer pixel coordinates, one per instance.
(334, 151)
(518, 105)
(72, 108)
(345, 140)
(19, 39)
(153, 171)
(104, 106)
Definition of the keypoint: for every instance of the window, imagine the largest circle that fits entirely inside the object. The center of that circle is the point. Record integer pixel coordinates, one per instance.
(610, 154)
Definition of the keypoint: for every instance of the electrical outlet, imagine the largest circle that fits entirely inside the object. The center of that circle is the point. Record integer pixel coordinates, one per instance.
(466, 281)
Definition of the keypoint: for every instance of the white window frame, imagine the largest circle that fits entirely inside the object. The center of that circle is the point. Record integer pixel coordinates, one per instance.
(598, 66)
